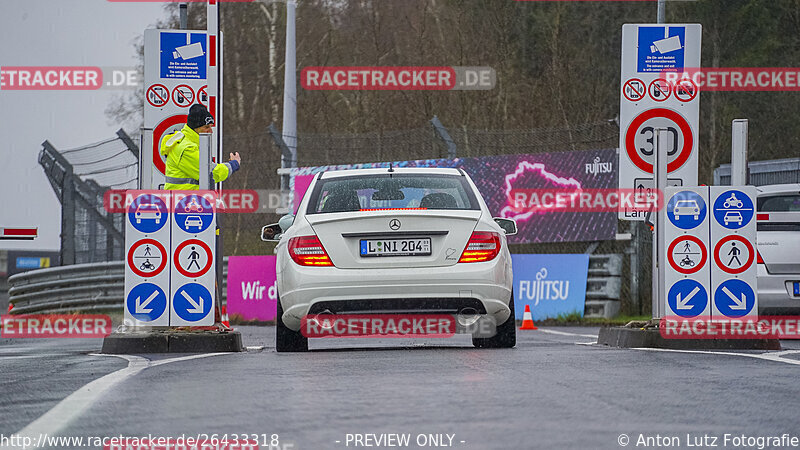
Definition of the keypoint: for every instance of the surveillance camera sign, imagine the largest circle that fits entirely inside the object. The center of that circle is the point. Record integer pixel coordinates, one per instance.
(661, 48)
(183, 55)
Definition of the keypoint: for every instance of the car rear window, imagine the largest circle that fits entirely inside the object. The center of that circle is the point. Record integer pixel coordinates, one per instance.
(779, 203)
(391, 191)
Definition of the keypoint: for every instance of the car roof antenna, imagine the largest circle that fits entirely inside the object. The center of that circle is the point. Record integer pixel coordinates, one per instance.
(391, 169)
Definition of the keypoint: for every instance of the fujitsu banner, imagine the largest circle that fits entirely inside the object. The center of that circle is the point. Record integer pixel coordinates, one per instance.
(554, 197)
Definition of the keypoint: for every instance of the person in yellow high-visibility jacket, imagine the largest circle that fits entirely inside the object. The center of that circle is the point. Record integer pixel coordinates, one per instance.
(182, 150)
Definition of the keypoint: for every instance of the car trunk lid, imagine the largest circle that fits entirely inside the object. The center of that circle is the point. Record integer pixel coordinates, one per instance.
(342, 234)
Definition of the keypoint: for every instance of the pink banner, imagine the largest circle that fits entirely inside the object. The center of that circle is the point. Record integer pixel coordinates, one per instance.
(252, 289)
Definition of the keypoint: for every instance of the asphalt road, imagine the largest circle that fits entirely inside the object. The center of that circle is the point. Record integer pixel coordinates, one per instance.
(552, 391)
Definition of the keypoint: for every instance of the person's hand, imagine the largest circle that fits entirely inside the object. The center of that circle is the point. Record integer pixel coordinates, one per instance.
(236, 157)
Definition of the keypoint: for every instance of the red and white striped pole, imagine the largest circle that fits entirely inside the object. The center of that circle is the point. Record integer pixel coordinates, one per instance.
(212, 21)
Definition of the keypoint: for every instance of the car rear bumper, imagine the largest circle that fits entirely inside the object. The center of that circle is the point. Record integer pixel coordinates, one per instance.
(483, 287)
(775, 293)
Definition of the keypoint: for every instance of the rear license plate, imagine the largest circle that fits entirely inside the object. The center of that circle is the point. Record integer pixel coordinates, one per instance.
(396, 247)
(797, 288)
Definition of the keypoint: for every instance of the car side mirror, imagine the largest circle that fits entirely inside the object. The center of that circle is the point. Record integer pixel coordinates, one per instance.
(509, 226)
(271, 233)
(285, 222)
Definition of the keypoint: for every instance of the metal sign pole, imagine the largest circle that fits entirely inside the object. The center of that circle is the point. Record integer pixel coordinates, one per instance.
(660, 142)
(184, 14)
(739, 145)
(146, 166)
(662, 11)
(205, 162)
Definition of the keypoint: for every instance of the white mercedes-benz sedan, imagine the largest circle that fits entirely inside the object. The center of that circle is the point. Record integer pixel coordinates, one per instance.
(396, 241)
(778, 242)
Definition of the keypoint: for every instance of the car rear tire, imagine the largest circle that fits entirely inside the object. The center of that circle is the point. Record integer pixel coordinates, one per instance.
(286, 339)
(506, 336)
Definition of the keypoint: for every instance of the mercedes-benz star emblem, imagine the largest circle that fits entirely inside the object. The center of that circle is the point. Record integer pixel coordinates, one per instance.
(394, 224)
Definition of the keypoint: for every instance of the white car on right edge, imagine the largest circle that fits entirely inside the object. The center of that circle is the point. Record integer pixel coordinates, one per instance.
(778, 243)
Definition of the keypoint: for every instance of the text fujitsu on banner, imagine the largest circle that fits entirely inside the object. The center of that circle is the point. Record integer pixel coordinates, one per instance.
(552, 285)
(499, 178)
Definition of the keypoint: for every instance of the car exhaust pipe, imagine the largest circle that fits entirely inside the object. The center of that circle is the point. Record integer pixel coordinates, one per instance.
(324, 319)
(468, 316)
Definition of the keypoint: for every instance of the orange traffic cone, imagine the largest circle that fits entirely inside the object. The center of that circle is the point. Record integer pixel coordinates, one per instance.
(225, 321)
(527, 320)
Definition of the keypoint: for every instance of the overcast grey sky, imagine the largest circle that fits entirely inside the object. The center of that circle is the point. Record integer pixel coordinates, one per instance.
(57, 33)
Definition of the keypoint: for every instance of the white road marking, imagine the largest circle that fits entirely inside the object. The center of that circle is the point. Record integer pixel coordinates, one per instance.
(564, 333)
(776, 356)
(59, 416)
(255, 348)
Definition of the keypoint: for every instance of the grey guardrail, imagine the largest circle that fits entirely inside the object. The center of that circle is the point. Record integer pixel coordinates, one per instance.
(83, 288)
(101, 286)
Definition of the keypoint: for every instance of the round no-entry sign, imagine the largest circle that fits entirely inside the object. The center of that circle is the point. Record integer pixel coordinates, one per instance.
(687, 254)
(733, 258)
(640, 138)
(193, 258)
(147, 258)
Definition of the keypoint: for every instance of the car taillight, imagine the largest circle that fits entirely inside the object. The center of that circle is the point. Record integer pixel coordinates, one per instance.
(759, 259)
(482, 246)
(308, 251)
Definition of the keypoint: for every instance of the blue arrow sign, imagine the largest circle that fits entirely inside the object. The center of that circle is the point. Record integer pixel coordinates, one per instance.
(733, 209)
(686, 210)
(687, 298)
(194, 214)
(192, 302)
(148, 213)
(734, 298)
(146, 302)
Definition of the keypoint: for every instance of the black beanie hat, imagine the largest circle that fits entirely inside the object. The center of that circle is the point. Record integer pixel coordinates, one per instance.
(199, 116)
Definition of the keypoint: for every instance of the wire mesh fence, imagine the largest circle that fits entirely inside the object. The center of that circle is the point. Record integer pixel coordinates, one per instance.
(80, 178)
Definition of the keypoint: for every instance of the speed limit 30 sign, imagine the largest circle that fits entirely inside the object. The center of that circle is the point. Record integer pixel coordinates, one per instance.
(647, 51)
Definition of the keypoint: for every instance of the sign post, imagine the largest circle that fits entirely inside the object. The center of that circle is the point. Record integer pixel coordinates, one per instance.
(660, 164)
(648, 102)
(739, 152)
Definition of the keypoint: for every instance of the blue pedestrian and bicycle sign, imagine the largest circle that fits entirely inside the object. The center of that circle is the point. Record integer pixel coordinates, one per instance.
(733, 209)
(734, 298)
(687, 298)
(194, 214)
(686, 210)
(192, 302)
(146, 302)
